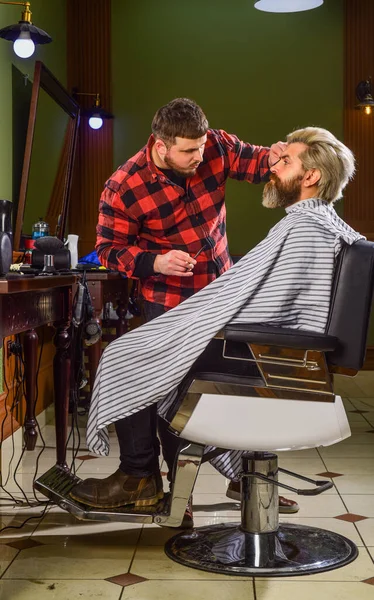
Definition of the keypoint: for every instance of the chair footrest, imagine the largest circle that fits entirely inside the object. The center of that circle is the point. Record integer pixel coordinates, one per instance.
(57, 483)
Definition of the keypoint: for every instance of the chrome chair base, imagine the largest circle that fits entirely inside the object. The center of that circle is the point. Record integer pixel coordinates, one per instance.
(292, 550)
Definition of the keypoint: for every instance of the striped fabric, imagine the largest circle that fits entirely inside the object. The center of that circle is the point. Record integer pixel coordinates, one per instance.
(285, 280)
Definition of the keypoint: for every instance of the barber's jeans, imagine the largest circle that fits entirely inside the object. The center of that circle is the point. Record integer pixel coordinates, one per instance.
(137, 434)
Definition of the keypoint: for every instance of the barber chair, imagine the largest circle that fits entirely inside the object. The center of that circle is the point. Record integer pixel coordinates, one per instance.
(261, 389)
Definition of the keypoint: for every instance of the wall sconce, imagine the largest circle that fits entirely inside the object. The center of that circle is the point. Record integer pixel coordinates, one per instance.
(365, 96)
(96, 114)
(287, 6)
(24, 34)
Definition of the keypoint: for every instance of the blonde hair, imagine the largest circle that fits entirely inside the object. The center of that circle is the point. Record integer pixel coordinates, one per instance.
(331, 157)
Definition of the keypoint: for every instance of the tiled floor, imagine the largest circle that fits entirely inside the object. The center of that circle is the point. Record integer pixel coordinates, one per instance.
(56, 557)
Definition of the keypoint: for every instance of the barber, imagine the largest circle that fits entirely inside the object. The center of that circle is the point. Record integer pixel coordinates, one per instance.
(162, 220)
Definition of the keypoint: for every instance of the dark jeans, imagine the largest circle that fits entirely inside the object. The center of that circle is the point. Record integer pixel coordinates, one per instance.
(137, 434)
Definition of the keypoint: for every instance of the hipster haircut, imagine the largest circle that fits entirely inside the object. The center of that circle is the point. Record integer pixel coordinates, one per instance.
(330, 156)
(179, 118)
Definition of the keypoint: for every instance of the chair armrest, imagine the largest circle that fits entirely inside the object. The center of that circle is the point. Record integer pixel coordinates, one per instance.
(279, 336)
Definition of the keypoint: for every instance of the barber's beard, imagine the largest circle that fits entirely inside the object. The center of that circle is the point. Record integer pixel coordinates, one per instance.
(279, 194)
(189, 172)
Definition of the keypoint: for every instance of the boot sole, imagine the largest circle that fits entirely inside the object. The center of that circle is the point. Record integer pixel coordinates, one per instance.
(284, 510)
(137, 503)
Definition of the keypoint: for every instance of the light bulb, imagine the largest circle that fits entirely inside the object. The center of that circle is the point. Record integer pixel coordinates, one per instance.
(287, 6)
(95, 122)
(24, 46)
(368, 110)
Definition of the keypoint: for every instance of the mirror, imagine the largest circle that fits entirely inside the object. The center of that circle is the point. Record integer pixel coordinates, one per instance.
(49, 157)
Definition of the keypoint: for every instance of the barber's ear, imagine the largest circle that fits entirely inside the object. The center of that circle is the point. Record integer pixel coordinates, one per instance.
(161, 147)
(312, 177)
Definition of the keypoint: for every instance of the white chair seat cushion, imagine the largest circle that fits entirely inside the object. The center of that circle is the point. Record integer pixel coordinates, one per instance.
(254, 423)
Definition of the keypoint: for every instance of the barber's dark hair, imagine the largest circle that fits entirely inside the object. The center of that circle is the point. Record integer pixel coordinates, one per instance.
(179, 118)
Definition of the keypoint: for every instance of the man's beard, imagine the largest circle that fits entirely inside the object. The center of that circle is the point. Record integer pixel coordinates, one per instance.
(190, 172)
(279, 194)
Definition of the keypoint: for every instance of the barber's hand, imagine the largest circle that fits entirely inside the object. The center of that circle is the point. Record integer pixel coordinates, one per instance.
(276, 151)
(175, 262)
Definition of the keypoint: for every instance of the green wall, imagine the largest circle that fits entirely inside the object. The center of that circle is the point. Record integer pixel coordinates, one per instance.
(256, 74)
(50, 16)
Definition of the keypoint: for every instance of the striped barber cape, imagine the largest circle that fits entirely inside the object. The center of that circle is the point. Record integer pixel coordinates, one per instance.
(285, 280)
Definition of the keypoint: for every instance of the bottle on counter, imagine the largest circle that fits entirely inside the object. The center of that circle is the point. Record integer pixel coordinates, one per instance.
(40, 229)
(29, 245)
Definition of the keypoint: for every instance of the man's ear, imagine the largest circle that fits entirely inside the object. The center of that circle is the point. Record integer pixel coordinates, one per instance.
(160, 147)
(312, 177)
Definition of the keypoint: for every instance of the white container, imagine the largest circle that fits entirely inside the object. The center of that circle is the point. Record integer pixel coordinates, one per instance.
(72, 244)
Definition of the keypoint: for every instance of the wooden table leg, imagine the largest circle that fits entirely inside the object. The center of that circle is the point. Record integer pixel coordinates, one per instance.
(61, 377)
(30, 345)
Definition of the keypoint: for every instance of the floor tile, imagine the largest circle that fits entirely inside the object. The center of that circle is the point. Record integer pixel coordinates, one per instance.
(215, 504)
(207, 469)
(304, 466)
(346, 386)
(366, 385)
(348, 451)
(15, 527)
(7, 554)
(210, 484)
(62, 524)
(362, 438)
(46, 459)
(354, 417)
(370, 417)
(49, 436)
(100, 465)
(351, 466)
(151, 535)
(363, 403)
(371, 551)
(318, 506)
(360, 427)
(352, 484)
(126, 579)
(57, 589)
(299, 588)
(151, 562)
(360, 504)
(196, 590)
(100, 556)
(366, 529)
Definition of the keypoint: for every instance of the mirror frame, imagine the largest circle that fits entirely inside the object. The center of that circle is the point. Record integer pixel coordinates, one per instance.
(43, 78)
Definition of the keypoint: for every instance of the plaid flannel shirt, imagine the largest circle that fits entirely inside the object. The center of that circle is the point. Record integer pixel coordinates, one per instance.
(142, 211)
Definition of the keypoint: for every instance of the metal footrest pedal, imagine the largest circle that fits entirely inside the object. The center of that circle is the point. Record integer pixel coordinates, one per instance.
(57, 484)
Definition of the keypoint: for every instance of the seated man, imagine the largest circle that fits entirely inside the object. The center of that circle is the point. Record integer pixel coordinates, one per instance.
(285, 280)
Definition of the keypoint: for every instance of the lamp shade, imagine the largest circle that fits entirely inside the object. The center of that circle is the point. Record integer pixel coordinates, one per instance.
(287, 6)
(96, 112)
(13, 32)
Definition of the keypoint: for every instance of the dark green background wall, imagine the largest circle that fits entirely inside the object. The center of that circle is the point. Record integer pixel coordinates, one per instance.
(255, 74)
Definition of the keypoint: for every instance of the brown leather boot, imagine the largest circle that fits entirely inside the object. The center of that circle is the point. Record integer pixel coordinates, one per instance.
(119, 489)
(286, 506)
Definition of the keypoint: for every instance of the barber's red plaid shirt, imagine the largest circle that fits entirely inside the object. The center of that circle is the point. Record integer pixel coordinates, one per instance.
(143, 211)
